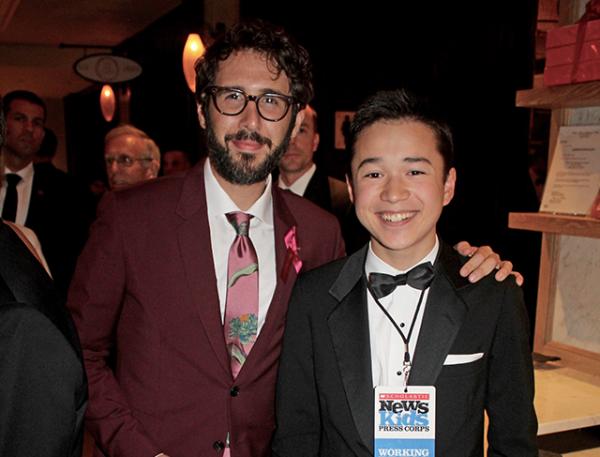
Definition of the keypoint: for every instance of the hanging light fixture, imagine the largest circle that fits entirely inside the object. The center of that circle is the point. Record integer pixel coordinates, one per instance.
(107, 69)
(194, 48)
(108, 102)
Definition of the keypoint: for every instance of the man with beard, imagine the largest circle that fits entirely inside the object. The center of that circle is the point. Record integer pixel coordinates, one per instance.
(185, 281)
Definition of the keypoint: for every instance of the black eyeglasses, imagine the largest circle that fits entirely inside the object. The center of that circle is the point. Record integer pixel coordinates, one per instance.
(231, 102)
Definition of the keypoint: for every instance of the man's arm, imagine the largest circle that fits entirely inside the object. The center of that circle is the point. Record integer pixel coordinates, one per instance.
(95, 300)
(40, 375)
(297, 405)
(509, 403)
(483, 261)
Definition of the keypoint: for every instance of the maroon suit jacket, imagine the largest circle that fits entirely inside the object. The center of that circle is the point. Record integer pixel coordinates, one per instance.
(144, 300)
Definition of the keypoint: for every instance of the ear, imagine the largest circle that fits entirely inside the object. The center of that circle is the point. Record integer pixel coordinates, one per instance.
(201, 117)
(350, 189)
(153, 168)
(449, 186)
(316, 140)
(298, 123)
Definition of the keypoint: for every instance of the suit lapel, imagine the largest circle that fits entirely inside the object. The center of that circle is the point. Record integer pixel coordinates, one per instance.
(196, 251)
(317, 190)
(443, 317)
(36, 203)
(349, 329)
(283, 221)
(27, 282)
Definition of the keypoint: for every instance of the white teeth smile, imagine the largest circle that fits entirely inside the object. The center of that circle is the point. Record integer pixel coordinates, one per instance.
(396, 217)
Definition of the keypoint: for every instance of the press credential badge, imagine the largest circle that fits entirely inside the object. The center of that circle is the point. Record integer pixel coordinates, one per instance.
(404, 421)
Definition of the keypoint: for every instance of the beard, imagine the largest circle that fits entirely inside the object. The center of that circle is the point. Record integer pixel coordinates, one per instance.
(246, 170)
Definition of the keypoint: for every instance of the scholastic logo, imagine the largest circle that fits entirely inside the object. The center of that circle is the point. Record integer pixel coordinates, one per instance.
(403, 396)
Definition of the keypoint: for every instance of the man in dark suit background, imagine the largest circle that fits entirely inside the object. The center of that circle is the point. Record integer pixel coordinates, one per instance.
(51, 203)
(351, 328)
(299, 173)
(43, 389)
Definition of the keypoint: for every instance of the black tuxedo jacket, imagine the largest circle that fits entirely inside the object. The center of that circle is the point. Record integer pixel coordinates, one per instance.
(325, 398)
(43, 390)
(60, 212)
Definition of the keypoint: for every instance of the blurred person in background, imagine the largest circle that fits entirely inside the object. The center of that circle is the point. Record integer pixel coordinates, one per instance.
(131, 157)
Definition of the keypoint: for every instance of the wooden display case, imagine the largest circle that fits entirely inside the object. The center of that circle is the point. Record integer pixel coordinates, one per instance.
(554, 226)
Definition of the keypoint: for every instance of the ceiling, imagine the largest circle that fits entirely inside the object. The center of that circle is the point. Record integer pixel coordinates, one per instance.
(31, 31)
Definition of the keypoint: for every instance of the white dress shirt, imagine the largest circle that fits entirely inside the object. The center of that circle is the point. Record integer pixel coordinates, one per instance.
(222, 234)
(24, 187)
(299, 185)
(387, 346)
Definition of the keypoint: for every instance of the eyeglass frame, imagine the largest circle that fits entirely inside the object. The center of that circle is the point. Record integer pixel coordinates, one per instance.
(124, 160)
(212, 91)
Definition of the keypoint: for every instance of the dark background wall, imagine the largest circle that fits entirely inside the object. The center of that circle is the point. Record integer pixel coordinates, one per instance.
(473, 66)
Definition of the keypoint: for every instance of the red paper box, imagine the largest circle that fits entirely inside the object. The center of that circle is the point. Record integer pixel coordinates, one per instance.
(573, 54)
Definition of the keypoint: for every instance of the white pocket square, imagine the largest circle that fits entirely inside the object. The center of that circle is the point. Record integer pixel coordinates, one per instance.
(457, 359)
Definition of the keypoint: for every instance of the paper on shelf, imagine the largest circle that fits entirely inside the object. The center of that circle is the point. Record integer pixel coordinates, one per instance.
(574, 176)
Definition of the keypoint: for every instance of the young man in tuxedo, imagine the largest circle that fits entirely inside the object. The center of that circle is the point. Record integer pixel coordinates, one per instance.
(398, 314)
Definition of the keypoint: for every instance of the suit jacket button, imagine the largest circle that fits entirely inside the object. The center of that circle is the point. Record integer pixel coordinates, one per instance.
(218, 445)
(235, 390)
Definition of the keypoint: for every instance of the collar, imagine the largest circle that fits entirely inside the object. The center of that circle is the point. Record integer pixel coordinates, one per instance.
(220, 203)
(299, 185)
(374, 264)
(26, 173)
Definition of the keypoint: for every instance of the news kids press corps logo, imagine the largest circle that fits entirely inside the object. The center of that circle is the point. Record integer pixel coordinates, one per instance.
(403, 412)
(405, 422)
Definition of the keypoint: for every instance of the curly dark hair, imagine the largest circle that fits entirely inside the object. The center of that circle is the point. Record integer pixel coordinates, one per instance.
(281, 50)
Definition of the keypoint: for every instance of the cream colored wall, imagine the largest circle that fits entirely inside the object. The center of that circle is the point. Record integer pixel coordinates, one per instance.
(577, 300)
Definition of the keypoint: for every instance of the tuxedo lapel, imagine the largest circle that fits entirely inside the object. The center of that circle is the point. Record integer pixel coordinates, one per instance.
(349, 328)
(196, 251)
(443, 317)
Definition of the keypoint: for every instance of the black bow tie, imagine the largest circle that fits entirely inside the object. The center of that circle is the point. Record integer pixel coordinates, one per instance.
(419, 277)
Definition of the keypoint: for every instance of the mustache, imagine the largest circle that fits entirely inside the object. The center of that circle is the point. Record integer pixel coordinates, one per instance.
(243, 135)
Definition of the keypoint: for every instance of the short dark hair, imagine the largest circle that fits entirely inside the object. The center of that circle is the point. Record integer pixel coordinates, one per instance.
(403, 105)
(280, 49)
(22, 95)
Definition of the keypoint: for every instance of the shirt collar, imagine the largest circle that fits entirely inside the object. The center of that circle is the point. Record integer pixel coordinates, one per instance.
(299, 185)
(220, 203)
(374, 264)
(26, 173)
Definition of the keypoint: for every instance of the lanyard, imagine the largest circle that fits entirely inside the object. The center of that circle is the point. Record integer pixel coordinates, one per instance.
(406, 364)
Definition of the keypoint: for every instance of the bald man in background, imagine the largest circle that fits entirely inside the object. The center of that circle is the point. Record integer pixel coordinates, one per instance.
(131, 157)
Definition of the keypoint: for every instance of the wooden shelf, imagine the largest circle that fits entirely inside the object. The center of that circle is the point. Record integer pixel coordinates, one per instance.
(567, 96)
(556, 223)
